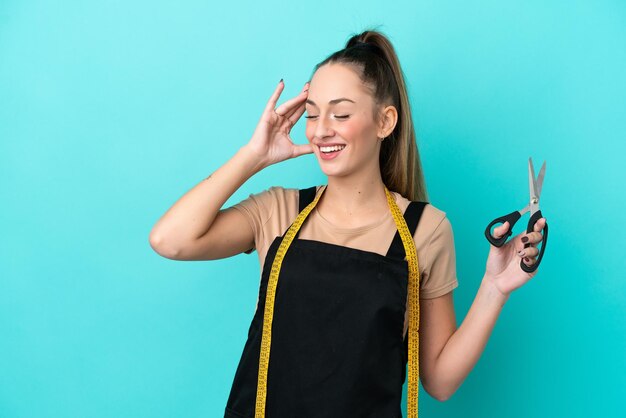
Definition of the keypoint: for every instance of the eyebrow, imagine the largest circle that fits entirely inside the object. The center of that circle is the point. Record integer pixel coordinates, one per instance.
(332, 102)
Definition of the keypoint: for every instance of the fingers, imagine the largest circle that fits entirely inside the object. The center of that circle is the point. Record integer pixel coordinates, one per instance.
(271, 104)
(295, 112)
(287, 108)
(540, 224)
(529, 254)
(529, 261)
(536, 236)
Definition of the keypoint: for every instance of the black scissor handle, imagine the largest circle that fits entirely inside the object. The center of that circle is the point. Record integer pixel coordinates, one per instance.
(499, 242)
(531, 227)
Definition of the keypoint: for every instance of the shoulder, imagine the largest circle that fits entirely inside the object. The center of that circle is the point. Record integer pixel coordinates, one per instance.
(284, 196)
(432, 216)
(280, 193)
(265, 203)
(286, 192)
(272, 194)
(275, 202)
(433, 224)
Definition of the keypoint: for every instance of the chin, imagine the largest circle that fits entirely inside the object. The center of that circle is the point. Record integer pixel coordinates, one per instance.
(332, 171)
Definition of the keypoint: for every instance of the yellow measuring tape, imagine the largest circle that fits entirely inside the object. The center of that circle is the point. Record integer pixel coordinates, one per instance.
(414, 318)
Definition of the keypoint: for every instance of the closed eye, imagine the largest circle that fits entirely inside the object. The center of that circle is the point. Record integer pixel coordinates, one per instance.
(337, 116)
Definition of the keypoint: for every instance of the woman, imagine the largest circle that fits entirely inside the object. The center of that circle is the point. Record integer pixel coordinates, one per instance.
(339, 284)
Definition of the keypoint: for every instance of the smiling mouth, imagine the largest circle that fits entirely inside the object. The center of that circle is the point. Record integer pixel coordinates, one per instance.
(331, 149)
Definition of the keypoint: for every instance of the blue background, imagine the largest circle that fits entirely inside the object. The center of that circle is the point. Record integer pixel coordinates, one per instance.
(111, 110)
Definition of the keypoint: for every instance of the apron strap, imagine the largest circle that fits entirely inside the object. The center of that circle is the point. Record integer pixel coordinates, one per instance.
(306, 197)
(412, 215)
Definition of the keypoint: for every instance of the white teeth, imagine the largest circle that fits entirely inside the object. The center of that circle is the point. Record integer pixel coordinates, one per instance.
(333, 148)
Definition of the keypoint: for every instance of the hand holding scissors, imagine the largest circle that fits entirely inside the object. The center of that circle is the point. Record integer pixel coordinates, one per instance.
(535, 215)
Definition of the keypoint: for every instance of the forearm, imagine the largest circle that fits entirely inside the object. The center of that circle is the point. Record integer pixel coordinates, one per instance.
(465, 346)
(192, 215)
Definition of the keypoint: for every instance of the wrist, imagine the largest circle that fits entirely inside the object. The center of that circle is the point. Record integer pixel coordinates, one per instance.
(493, 291)
(251, 159)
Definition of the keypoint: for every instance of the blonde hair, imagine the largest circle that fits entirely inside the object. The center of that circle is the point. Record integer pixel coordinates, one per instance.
(372, 56)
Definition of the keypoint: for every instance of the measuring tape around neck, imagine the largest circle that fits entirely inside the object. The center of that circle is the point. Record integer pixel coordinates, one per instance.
(413, 290)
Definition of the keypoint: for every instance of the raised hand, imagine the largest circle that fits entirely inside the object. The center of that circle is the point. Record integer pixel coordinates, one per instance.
(271, 141)
(503, 263)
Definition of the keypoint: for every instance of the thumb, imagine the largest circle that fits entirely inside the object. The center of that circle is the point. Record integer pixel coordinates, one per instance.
(302, 149)
(501, 230)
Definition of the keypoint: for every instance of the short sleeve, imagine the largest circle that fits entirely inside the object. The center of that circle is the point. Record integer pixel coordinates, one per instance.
(440, 263)
(257, 208)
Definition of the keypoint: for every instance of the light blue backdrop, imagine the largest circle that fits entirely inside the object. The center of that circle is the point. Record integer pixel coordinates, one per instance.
(111, 110)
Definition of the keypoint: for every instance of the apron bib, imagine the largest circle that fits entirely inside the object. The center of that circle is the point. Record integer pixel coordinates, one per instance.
(335, 329)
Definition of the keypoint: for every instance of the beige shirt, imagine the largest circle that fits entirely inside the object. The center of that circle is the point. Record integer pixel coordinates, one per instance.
(272, 211)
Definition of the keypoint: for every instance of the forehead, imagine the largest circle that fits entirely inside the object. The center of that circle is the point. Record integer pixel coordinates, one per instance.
(336, 80)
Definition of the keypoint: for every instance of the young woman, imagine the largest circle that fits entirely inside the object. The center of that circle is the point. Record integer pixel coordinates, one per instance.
(351, 270)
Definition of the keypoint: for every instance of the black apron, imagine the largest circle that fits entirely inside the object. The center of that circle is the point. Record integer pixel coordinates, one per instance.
(337, 347)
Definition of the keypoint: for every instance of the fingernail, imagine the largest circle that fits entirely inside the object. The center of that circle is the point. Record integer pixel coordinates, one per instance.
(520, 253)
(526, 259)
(524, 239)
(281, 80)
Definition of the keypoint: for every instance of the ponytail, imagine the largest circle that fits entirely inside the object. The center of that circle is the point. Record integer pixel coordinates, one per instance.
(374, 58)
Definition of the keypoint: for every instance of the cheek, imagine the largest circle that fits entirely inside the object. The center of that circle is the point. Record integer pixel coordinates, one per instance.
(358, 133)
(351, 130)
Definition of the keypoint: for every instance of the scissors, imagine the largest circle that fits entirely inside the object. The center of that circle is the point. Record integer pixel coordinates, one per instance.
(535, 215)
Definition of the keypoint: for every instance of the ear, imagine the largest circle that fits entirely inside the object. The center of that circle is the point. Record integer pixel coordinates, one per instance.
(388, 121)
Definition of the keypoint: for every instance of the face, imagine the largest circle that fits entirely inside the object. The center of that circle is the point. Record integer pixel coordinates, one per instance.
(339, 111)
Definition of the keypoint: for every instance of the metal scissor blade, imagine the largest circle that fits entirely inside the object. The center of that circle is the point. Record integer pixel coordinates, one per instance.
(532, 185)
(539, 182)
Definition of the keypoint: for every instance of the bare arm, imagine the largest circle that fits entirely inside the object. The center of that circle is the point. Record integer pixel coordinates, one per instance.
(450, 354)
(190, 219)
(195, 227)
(437, 324)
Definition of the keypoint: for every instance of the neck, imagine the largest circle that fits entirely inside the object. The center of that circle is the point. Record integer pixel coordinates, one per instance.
(354, 200)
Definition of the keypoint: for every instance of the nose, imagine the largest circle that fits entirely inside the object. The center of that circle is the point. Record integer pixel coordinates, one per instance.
(323, 128)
